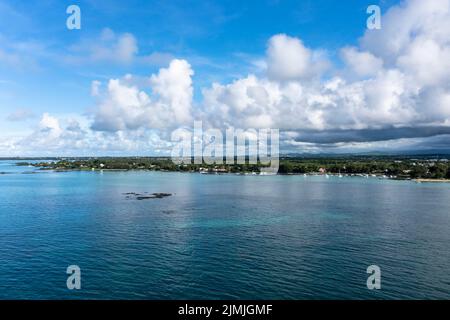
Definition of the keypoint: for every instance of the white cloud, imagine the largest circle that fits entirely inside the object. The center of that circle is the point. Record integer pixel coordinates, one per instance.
(112, 47)
(362, 63)
(125, 106)
(66, 136)
(49, 130)
(402, 24)
(174, 89)
(398, 77)
(49, 123)
(108, 47)
(336, 104)
(415, 39)
(426, 62)
(289, 59)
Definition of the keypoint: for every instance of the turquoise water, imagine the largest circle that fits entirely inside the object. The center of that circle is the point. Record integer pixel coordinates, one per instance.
(221, 236)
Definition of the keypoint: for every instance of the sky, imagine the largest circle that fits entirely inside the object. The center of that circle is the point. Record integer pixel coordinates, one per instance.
(138, 70)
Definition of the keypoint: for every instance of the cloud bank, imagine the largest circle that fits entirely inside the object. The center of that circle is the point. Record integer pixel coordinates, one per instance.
(392, 89)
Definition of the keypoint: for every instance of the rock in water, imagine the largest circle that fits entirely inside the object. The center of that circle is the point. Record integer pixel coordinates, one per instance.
(145, 196)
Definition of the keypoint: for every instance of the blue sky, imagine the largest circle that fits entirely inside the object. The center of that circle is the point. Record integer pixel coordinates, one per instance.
(215, 35)
(46, 68)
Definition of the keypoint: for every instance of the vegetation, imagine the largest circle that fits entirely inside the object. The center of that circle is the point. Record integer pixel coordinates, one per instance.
(140, 163)
(391, 167)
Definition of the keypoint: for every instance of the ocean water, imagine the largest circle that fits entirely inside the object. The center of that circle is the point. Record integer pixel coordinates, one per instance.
(220, 236)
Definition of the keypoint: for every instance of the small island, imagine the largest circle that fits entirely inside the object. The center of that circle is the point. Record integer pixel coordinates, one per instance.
(146, 195)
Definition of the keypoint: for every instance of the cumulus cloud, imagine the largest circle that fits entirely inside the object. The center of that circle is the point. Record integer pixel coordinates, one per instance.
(362, 63)
(289, 59)
(122, 47)
(49, 124)
(334, 104)
(67, 136)
(173, 86)
(168, 102)
(397, 78)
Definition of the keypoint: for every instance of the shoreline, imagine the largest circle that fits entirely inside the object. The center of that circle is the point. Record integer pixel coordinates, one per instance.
(417, 170)
(432, 180)
(309, 174)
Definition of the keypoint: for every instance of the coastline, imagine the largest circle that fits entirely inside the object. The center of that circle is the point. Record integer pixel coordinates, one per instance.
(407, 169)
(432, 180)
(310, 174)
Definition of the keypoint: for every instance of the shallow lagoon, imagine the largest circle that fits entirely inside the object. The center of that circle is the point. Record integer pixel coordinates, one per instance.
(221, 236)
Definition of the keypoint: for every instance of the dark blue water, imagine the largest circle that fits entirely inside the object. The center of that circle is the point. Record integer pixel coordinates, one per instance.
(221, 236)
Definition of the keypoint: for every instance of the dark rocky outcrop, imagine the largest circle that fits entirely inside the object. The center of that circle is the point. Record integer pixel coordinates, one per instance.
(146, 195)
